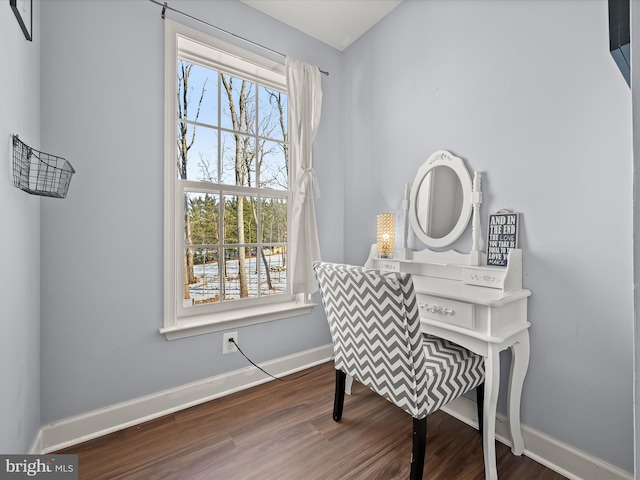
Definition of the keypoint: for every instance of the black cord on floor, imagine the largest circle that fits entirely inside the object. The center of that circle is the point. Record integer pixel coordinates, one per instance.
(267, 373)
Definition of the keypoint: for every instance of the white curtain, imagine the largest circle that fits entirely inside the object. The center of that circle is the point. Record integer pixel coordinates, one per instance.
(304, 90)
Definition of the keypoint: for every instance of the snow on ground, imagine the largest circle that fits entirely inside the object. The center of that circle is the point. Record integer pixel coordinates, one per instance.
(208, 285)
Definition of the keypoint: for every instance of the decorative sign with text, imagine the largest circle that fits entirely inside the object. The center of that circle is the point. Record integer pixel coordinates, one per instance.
(503, 236)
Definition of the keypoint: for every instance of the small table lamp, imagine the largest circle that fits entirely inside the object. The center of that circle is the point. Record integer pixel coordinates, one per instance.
(386, 238)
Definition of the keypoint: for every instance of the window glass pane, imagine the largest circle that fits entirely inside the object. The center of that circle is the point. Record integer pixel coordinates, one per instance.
(240, 219)
(251, 270)
(273, 165)
(238, 99)
(197, 152)
(197, 94)
(230, 219)
(273, 220)
(201, 281)
(238, 160)
(273, 269)
(250, 215)
(232, 234)
(240, 278)
(203, 214)
(272, 113)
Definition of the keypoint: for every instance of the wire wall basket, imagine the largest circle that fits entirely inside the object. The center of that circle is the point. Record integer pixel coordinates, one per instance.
(40, 173)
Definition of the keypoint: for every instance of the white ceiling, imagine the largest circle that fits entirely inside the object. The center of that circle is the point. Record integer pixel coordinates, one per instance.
(338, 23)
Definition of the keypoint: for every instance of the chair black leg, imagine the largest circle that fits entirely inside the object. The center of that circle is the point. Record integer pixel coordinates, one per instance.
(419, 447)
(480, 402)
(338, 402)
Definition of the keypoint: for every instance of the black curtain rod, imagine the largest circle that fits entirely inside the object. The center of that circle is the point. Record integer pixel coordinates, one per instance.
(166, 7)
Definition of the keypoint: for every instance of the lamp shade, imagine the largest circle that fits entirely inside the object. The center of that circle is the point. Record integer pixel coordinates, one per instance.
(385, 238)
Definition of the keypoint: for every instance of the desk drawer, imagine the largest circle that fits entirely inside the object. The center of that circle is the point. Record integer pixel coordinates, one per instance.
(445, 310)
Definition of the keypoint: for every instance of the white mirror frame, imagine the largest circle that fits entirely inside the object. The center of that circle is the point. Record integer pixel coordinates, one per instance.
(442, 158)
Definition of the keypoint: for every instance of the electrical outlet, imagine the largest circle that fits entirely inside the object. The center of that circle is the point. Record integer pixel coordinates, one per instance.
(227, 345)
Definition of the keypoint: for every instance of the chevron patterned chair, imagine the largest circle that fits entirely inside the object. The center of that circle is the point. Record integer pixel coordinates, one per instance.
(375, 326)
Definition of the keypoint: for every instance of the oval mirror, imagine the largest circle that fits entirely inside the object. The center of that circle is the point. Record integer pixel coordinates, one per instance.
(440, 200)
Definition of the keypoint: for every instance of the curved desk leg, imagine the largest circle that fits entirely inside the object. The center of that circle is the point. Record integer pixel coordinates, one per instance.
(519, 365)
(348, 383)
(491, 384)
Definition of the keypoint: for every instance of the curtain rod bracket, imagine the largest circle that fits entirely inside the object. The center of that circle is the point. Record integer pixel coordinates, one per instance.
(164, 9)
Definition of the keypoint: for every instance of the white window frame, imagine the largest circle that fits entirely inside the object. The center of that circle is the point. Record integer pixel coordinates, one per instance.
(195, 46)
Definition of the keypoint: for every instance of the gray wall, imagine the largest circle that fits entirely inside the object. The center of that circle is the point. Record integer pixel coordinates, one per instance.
(102, 108)
(527, 93)
(19, 240)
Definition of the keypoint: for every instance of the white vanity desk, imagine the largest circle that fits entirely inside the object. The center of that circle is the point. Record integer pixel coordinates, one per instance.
(483, 308)
(485, 320)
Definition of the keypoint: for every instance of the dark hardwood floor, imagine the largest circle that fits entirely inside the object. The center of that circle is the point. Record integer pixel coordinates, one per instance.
(284, 430)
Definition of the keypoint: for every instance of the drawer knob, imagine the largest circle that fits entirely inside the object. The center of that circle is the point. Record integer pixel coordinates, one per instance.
(433, 308)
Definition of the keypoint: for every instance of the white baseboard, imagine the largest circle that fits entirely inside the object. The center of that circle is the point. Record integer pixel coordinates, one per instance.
(36, 446)
(78, 429)
(559, 457)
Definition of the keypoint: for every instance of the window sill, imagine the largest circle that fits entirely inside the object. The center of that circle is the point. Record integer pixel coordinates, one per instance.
(202, 324)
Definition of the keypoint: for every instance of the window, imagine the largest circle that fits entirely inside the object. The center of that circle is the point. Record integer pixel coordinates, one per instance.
(227, 196)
